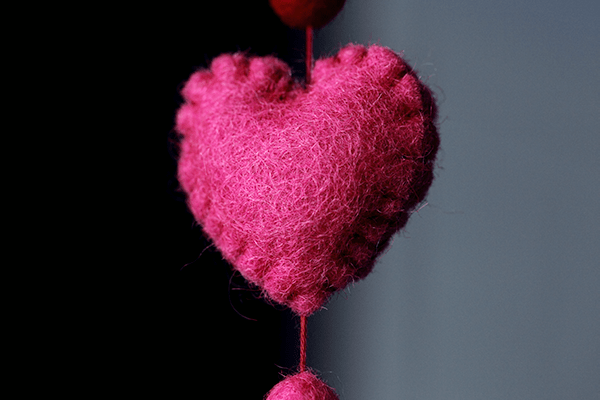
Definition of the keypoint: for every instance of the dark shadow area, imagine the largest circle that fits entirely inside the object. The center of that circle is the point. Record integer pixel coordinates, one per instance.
(222, 333)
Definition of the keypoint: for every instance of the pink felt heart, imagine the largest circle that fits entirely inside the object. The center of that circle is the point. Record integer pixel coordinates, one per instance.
(301, 188)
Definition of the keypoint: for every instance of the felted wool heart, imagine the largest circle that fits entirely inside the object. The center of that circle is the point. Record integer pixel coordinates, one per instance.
(301, 188)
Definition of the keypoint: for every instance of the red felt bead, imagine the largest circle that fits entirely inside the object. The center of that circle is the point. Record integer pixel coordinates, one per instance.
(305, 13)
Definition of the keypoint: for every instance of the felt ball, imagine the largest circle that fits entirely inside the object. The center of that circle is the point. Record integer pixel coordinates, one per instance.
(305, 13)
(302, 386)
(301, 188)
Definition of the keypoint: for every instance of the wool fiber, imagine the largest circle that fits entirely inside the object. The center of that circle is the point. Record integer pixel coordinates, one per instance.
(301, 188)
(302, 386)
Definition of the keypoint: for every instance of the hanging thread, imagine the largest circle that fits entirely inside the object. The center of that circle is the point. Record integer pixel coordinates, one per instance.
(309, 51)
(303, 336)
(303, 333)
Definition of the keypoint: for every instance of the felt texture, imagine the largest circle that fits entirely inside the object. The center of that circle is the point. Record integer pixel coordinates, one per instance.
(301, 188)
(302, 386)
(305, 13)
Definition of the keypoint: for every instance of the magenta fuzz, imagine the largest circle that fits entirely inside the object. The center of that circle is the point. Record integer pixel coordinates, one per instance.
(302, 188)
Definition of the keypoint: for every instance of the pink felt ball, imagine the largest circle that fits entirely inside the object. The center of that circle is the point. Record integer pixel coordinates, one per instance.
(305, 13)
(302, 386)
(302, 188)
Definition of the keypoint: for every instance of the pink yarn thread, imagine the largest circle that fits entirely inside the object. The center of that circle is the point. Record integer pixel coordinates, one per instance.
(303, 337)
(302, 386)
(302, 188)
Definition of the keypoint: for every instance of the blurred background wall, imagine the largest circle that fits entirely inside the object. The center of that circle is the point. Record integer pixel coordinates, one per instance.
(493, 289)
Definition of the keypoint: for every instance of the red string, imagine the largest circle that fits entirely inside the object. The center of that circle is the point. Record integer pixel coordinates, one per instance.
(303, 335)
(309, 51)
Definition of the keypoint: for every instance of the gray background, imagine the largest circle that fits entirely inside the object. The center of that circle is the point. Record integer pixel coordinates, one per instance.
(493, 289)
